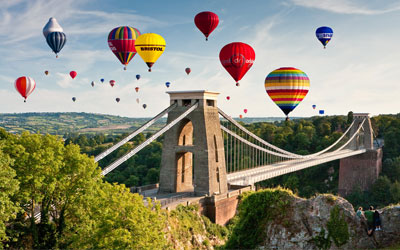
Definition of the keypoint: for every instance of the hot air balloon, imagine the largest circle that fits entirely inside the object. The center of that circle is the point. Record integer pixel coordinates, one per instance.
(73, 99)
(287, 87)
(321, 112)
(324, 35)
(167, 84)
(188, 70)
(112, 82)
(102, 80)
(228, 98)
(73, 74)
(46, 72)
(92, 83)
(121, 41)
(314, 106)
(237, 58)
(56, 41)
(137, 89)
(137, 100)
(245, 111)
(240, 116)
(137, 77)
(25, 86)
(144, 106)
(150, 46)
(206, 22)
(51, 26)
(117, 99)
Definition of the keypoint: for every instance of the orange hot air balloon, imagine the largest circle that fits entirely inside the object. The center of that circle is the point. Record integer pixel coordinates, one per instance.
(73, 74)
(240, 116)
(137, 89)
(25, 86)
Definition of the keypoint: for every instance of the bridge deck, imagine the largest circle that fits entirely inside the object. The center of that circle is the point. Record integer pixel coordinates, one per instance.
(251, 176)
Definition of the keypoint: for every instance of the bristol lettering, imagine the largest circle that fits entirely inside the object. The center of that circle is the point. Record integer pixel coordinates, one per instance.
(151, 48)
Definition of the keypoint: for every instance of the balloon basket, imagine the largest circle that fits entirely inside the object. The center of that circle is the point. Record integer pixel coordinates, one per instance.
(149, 70)
(125, 68)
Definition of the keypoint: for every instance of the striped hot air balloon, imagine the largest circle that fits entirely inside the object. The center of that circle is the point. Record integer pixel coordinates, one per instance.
(25, 86)
(121, 41)
(287, 87)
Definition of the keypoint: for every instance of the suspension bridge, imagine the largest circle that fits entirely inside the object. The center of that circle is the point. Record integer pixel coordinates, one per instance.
(206, 153)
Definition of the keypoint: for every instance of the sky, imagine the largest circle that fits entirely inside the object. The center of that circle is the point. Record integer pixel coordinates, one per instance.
(356, 72)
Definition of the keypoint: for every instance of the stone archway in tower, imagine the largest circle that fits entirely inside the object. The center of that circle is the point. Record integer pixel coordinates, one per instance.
(184, 158)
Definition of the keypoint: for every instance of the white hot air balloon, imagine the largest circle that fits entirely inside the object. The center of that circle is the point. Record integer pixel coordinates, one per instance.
(51, 26)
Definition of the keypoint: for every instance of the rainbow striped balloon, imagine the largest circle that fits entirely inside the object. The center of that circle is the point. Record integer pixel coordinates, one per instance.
(287, 87)
(121, 41)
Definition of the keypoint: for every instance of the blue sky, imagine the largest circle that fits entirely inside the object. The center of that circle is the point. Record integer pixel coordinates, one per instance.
(358, 70)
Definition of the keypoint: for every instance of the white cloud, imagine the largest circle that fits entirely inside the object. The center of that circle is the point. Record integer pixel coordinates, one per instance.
(345, 6)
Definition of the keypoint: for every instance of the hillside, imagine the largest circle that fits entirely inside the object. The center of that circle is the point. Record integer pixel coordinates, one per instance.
(88, 123)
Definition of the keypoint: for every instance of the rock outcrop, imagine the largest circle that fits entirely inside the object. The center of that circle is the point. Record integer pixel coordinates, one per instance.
(307, 226)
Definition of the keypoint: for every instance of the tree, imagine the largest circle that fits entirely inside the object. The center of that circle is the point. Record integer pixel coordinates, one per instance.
(8, 187)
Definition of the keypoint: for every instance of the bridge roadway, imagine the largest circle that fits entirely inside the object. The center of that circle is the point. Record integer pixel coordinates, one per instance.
(251, 176)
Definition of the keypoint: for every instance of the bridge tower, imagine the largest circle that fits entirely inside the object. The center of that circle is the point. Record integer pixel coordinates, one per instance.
(360, 171)
(193, 157)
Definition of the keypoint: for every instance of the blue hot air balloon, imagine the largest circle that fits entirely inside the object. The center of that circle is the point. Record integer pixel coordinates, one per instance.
(102, 80)
(314, 106)
(137, 77)
(56, 41)
(324, 35)
(167, 84)
(321, 112)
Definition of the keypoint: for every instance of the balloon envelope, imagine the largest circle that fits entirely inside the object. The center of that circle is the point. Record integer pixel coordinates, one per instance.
(137, 100)
(188, 70)
(112, 82)
(121, 41)
(321, 112)
(102, 80)
(92, 83)
(150, 47)
(287, 87)
(137, 89)
(314, 106)
(324, 35)
(137, 77)
(237, 58)
(117, 99)
(228, 98)
(144, 106)
(245, 111)
(167, 84)
(25, 86)
(206, 22)
(46, 72)
(56, 41)
(240, 116)
(73, 99)
(51, 26)
(73, 74)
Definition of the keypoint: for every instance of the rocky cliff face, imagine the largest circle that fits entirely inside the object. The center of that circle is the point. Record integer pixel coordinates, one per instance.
(308, 227)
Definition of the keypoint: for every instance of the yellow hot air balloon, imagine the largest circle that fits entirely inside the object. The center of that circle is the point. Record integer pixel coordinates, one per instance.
(150, 46)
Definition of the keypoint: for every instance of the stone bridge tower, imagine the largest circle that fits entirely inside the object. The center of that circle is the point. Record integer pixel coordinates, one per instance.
(193, 158)
(360, 171)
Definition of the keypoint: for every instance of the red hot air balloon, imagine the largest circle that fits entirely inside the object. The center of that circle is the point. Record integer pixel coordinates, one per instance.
(137, 89)
(121, 41)
(228, 98)
(206, 22)
(237, 58)
(112, 82)
(73, 74)
(188, 70)
(245, 111)
(240, 116)
(46, 72)
(25, 86)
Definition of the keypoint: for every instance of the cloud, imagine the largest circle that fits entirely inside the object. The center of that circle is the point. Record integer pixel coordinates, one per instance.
(344, 6)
